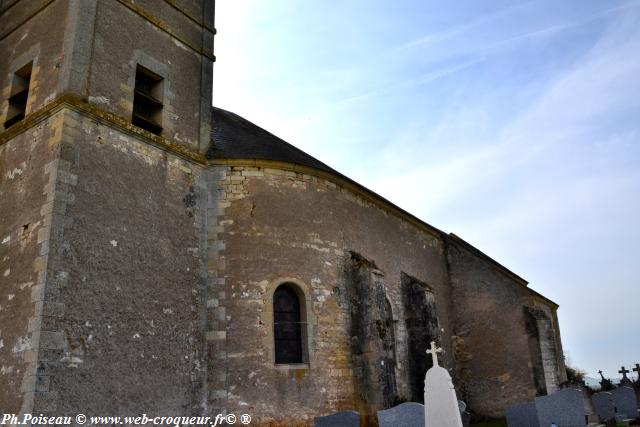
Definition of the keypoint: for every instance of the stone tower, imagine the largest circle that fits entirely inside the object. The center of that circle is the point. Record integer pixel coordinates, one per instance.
(105, 116)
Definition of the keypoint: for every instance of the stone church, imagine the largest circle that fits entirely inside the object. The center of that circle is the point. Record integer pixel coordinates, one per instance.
(159, 255)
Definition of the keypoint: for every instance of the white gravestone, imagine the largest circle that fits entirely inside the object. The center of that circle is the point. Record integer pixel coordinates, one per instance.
(440, 400)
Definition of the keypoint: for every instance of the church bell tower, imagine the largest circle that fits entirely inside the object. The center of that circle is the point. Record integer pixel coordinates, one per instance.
(105, 116)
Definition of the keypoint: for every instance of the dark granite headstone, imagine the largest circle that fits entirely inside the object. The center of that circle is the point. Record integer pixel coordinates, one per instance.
(604, 406)
(564, 408)
(606, 384)
(625, 381)
(410, 414)
(522, 415)
(625, 401)
(339, 419)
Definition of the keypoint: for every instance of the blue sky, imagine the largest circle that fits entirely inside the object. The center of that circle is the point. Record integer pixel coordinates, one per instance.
(515, 125)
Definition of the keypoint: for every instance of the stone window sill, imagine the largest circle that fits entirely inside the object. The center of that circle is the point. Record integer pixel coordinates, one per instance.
(291, 366)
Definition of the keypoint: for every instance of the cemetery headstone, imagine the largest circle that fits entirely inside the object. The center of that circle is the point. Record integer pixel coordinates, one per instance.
(409, 414)
(625, 381)
(604, 405)
(637, 370)
(522, 415)
(605, 384)
(625, 401)
(565, 408)
(339, 419)
(465, 417)
(440, 400)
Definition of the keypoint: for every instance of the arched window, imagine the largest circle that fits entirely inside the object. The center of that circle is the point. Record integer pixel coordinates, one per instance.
(287, 325)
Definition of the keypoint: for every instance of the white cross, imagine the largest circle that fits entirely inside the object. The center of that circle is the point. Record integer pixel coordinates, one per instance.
(434, 352)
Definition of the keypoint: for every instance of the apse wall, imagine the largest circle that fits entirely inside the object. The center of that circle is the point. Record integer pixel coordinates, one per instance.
(353, 257)
(280, 226)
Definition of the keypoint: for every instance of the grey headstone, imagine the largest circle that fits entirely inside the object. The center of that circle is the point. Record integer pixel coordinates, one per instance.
(522, 415)
(586, 398)
(410, 414)
(625, 401)
(564, 408)
(604, 406)
(465, 417)
(339, 419)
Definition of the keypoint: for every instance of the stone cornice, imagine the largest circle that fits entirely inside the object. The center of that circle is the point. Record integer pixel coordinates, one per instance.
(75, 103)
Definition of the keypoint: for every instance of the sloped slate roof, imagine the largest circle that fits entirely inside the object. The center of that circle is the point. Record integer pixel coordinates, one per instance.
(234, 137)
(237, 138)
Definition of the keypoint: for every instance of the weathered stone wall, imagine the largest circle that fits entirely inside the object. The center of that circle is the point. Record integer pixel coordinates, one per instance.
(173, 45)
(159, 275)
(28, 171)
(279, 226)
(372, 332)
(495, 353)
(87, 53)
(127, 280)
(26, 34)
(553, 314)
(118, 324)
(547, 356)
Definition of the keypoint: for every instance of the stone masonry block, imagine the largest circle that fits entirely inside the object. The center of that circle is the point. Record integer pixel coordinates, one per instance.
(67, 177)
(28, 384)
(44, 248)
(39, 263)
(52, 340)
(216, 335)
(47, 208)
(30, 356)
(53, 309)
(34, 323)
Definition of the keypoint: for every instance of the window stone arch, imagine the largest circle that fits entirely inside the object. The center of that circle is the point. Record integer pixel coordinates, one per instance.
(288, 302)
(287, 325)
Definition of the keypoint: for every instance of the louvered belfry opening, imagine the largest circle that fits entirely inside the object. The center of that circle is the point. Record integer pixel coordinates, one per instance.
(287, 326)
(19, 96)
(147, 101)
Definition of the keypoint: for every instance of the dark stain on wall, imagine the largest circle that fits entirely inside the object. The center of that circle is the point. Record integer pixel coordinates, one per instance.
(372, 337)
(190, 201)
(534, 349)
(422, 327)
